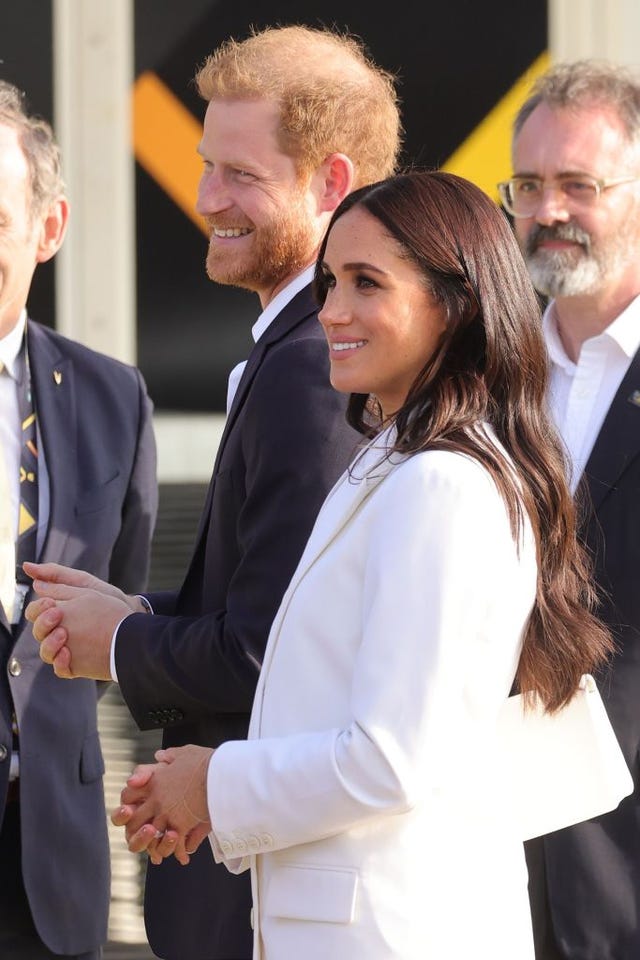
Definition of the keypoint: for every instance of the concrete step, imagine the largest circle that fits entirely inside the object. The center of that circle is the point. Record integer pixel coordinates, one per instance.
(128, 951)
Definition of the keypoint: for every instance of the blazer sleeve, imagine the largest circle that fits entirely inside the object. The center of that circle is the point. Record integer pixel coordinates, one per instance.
(295, 443)
(129, 563)
(442, 604)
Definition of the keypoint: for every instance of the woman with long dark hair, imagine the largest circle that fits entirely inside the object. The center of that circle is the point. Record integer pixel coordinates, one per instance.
(370, 799)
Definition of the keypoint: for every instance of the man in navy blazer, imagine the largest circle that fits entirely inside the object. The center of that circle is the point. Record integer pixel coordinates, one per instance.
(96, 499)
(576, 202)
(296, 118)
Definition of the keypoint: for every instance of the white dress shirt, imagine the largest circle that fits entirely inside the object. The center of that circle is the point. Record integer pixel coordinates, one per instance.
(10, 417)
(581, 393)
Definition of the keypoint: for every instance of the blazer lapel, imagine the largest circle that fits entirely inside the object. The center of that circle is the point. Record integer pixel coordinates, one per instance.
(349, 494)
(618, 442)
(5, 628)
(52, 380)
(292, 315)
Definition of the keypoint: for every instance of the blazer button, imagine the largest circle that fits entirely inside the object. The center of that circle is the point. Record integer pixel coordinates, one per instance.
(4, 753)
(15, 667)
(226, 847)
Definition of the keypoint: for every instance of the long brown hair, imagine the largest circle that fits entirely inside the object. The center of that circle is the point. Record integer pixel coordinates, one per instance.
(491, 367)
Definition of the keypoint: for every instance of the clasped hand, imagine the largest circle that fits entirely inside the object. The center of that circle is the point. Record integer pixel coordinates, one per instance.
(74, 619)
(164, 805)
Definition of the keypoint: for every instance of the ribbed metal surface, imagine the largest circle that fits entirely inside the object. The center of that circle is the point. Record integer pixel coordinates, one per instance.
(123, 744)
(178, 515)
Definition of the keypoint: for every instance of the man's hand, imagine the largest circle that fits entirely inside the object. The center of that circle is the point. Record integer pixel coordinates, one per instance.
(57, 573)
(74, 619)
(164, 805)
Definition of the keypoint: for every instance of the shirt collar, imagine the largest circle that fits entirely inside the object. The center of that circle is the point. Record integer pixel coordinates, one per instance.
(10, 346)
(279, 302)
(624, 331)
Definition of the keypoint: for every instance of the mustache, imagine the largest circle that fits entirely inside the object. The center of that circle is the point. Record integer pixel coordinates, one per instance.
(226, 223)
(570, 232)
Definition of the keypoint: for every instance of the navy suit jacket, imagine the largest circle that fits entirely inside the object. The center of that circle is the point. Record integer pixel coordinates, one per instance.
(94, 418)
(593, 869)
(193, 668)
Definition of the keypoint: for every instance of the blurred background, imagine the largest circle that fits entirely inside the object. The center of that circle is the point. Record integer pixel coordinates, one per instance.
(115, 79)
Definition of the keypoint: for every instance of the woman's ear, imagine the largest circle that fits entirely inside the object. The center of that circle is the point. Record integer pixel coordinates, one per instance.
(52, 226)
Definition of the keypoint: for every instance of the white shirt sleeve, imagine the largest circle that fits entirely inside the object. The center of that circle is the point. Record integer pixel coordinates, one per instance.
(112, 654)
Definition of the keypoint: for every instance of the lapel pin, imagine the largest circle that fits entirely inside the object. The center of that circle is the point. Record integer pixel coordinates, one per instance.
(635, 398)
(57, 376)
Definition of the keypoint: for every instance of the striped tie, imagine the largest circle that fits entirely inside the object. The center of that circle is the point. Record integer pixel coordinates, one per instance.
(28, 515)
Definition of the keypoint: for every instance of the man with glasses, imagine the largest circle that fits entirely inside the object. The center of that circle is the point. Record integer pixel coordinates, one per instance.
(575, 201)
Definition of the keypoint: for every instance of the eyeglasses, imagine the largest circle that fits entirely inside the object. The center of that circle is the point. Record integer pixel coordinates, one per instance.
(521, 196)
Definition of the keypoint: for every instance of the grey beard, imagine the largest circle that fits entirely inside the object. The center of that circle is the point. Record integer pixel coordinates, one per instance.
(556, 273)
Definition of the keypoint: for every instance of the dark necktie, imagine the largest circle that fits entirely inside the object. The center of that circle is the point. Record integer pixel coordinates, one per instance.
(28, 507)
(28, 517)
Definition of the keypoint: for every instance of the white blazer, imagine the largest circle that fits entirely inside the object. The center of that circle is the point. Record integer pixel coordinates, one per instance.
(368, 801)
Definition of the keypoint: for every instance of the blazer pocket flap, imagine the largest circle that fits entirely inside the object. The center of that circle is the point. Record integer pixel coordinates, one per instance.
(321, 894)
(91, 760)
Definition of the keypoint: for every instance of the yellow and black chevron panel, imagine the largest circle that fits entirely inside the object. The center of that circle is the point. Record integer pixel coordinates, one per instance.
(463, 67)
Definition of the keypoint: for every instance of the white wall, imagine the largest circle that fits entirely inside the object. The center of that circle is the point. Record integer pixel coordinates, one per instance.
(608, 29)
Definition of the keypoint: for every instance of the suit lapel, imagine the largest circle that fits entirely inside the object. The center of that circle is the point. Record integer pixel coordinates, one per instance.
(618, 442)
(343, 501)
(5, 628)
(346, 498)
(52, 380)
(292, 315)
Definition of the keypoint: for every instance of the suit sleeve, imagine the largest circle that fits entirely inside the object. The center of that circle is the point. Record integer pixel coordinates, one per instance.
(295, 443)
(129, 563)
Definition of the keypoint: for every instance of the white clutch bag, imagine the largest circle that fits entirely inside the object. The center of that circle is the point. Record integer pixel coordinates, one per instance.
(562, 768)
